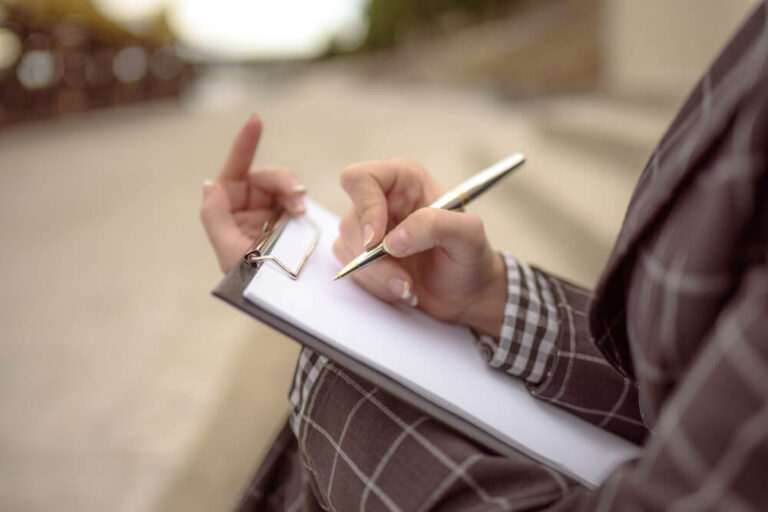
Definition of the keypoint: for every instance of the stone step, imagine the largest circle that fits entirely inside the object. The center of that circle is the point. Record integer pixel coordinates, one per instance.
(621, 131)
(585, 155)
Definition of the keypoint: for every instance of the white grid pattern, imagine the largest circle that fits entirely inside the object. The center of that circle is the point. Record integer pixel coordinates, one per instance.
(525, 350)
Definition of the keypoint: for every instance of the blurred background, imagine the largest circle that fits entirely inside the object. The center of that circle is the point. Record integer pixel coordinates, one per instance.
(123, 384)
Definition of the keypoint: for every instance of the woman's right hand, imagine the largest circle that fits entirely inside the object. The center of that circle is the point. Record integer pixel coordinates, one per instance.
(442, 261)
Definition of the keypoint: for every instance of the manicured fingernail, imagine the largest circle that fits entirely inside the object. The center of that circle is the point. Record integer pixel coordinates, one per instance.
(367, 235)
(400, 287)
(396, 242)
(414, 301)
(207, 187)
(296, 186)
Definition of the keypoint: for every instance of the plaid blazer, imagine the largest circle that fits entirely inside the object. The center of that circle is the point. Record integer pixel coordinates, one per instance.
(670, 351)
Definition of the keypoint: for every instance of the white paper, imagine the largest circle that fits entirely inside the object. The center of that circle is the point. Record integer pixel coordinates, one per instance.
(437, 360)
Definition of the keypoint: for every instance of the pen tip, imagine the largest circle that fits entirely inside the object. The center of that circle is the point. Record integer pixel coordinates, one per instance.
(337, 276)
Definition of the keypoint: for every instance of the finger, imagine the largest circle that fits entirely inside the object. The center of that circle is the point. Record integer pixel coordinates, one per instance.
(385, 279)
(461, 234)
(351, 232)
(387, 276)
(251, 223)
(277, 184)
(241, 155)
(227, 240)
(367, 184)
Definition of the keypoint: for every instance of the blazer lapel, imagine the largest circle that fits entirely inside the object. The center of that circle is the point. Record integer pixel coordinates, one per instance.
(702, 120)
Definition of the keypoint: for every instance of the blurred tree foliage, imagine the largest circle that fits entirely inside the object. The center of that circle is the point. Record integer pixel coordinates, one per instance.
(388, 20)
(155, 30)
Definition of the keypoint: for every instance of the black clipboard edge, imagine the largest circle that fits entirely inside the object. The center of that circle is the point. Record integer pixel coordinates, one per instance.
(231, 289)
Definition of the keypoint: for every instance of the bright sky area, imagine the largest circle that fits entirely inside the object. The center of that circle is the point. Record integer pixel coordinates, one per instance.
(250, 28)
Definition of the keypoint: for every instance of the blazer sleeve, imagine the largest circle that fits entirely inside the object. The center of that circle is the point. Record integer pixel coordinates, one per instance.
(709, 449)
(545, 340)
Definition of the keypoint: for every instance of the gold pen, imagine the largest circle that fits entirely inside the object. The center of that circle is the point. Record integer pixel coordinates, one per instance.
(455, 199)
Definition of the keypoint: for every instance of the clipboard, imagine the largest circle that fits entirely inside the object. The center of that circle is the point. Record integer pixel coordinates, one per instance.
(233, 287)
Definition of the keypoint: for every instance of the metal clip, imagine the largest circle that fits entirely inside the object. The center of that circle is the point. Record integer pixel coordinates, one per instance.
(270, 232)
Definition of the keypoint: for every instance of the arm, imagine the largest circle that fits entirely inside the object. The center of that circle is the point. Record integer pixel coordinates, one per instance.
(545, 340)
(709, 450)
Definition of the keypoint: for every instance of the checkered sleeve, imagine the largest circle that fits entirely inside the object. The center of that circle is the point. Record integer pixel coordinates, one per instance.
(545, 339)
(527, 337)
(578, 377)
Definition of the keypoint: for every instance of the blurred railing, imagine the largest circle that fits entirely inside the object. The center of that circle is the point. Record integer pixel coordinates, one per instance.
(53, 65)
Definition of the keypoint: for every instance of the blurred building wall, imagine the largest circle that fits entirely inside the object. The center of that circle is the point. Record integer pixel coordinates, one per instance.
(659, 48)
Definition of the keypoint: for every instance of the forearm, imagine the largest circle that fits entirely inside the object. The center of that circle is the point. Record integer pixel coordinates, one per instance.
(544, 339)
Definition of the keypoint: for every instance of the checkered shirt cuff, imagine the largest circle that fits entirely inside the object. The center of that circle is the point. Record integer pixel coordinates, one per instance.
(526, 341)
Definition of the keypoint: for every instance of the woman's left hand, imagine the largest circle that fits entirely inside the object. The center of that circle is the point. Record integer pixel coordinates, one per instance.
(236, 205)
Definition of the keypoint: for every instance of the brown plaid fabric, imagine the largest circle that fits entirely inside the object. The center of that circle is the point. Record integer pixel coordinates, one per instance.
(358, 448)
(674, 341)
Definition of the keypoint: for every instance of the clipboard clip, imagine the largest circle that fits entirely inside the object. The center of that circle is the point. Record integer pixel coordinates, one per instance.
(270, 233)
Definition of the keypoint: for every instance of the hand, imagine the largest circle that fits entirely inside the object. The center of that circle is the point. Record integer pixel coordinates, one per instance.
(442, 261)
(237, 204)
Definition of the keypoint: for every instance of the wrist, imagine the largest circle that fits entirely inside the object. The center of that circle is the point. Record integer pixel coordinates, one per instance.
(485, 313)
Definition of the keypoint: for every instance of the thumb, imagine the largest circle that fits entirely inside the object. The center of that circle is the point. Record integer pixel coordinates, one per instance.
(460, 234)
(220, 226)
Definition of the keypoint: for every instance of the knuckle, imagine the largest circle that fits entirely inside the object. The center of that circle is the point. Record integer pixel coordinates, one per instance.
(474, 233)
(474, 222)
(285, 173)
(271, 169)
(281, 173)
(419, 170)
(350, 175)
(368, 211)
(399, 161)
(430, 217)
(407, 164)
(422, 224)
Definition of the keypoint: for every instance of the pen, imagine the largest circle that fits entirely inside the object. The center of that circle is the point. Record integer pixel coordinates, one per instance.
(455, 199)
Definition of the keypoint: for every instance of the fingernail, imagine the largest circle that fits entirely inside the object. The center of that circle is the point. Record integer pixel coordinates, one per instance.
(298, 205)
(414, 301)
(296, 185)
(207, 186)
(396, 242)
(367, 235)
(400, 287)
